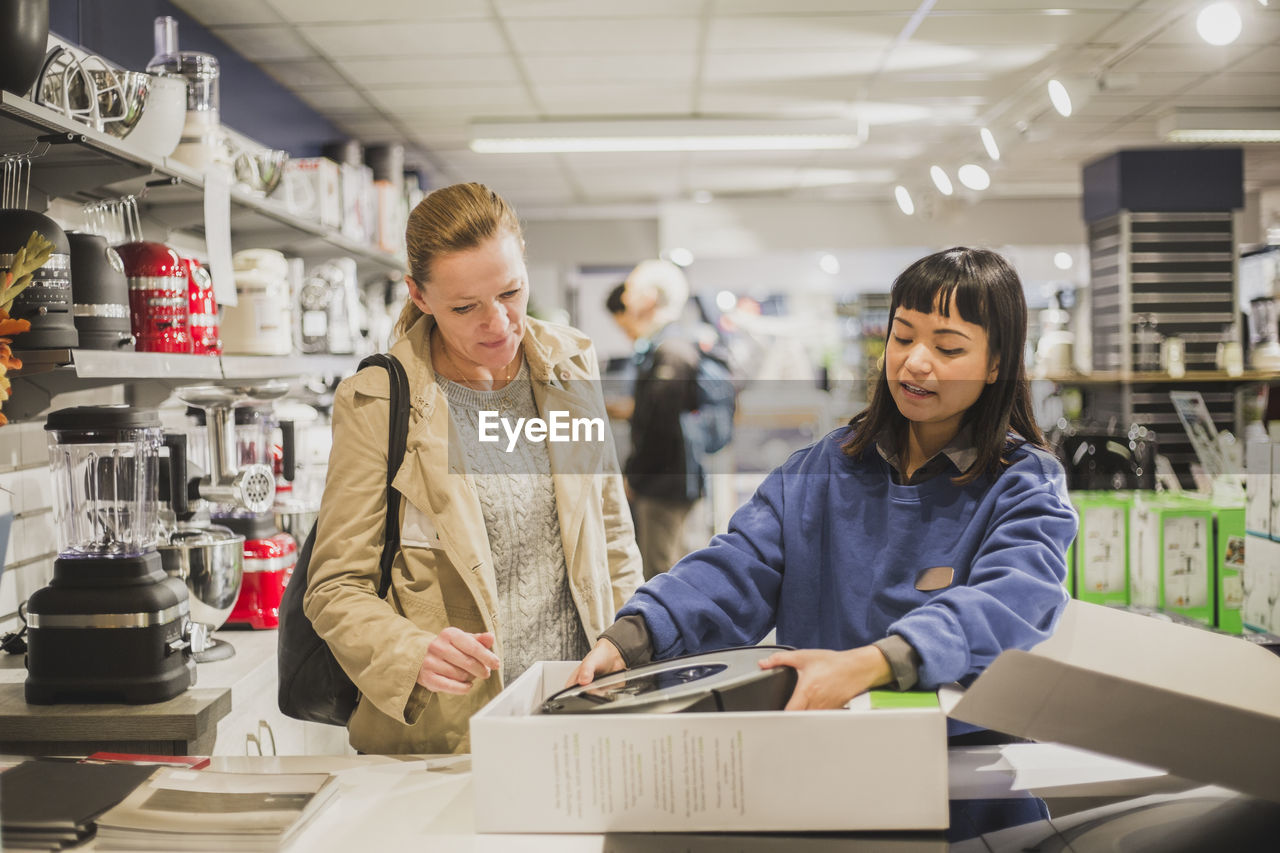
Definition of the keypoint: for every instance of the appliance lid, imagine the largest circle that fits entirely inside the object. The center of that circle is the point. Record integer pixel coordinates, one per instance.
(85, 419)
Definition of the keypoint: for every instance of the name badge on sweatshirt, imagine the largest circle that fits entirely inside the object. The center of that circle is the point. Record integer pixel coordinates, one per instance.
(938, 577)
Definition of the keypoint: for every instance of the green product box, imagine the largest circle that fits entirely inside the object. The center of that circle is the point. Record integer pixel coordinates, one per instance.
(1230, 565)
(1070, 583)
(1171, 555)
(1101, 549)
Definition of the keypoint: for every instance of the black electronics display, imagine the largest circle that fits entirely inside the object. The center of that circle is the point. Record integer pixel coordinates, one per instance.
(725, 680)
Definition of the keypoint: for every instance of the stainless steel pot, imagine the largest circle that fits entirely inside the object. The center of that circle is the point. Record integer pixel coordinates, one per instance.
(210, 561)
(296, 518)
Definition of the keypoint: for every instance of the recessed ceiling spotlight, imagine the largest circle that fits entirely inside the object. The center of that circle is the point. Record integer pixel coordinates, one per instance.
(680, 257)
(974, 176)
(989, 143)
(905, 204)
(1219, 23)
(829, 264)
(726, 301)
(1063, 260)
(703, 197)
(1059, 98)
(940, 180)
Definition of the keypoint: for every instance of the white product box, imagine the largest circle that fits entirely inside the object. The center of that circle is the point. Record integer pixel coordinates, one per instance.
(1257, 467)
(1260, 577)
(312, 189)
(1201, 705)
(856, 769)
(1275, 491)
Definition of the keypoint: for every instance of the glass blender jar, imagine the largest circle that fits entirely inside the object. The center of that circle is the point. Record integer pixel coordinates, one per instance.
(111, 625)
(1264, 318)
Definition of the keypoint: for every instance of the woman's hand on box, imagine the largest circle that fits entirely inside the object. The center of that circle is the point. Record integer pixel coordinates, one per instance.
(602, 660)
(456, 659)
(827, 679)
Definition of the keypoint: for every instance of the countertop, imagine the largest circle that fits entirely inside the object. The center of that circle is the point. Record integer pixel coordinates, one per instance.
(388, 803)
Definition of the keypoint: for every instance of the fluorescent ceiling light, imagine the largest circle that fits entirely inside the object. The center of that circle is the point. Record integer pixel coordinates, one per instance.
(1211, 125)
(989, 143)
(567, 137)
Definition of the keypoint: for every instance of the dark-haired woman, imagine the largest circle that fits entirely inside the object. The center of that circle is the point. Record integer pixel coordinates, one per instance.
(907, 549)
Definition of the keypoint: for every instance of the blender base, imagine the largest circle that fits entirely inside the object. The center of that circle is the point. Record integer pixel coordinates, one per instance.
(215, 650)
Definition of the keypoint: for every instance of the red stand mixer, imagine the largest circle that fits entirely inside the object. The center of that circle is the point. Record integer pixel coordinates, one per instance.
(241, 427)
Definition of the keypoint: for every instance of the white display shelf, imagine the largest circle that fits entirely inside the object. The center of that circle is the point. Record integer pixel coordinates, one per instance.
(85, 164)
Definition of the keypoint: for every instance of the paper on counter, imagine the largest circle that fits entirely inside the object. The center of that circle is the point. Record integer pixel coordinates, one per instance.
(1051, 765)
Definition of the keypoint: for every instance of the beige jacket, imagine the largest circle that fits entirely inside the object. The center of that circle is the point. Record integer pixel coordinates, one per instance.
(443, 574)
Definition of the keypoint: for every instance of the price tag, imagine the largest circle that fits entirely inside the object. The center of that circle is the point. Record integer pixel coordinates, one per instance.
(217, 234)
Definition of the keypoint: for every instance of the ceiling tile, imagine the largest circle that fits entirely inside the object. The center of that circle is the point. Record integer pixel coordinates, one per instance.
(729, 8)
(1171, 58)
(311, 73)
(334, 99)
(399, 38)
(846, 32)
(214, 13)
(616, 99)
(271, 43)
(1264, 87)
(727, 67)
(315, 11)
(490, 70)
(980, 29)
(474, 100)
(547, 69)
(604, 35)
(591, 8)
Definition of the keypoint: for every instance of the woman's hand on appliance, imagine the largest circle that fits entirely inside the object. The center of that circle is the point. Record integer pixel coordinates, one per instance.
(827, 680)
(602, 660)
(456, 659)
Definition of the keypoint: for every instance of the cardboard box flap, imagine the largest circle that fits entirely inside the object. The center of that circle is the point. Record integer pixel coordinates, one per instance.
(1200, 705)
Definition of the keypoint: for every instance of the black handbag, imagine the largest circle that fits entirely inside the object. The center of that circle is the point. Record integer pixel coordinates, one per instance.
(313, 687)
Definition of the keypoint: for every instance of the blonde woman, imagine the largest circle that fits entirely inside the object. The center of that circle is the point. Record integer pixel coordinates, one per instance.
(511, 551)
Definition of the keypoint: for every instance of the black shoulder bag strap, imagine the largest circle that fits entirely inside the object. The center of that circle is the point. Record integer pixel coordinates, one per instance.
(312, 686)
(398, 433)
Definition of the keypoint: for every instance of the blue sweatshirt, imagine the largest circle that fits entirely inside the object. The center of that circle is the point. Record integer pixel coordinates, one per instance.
(829, 550)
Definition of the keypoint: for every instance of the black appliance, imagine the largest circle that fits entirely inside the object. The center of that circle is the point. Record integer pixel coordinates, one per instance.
(46, 303)
(1100, 459)
(725, 680)
(111, 626)
(100, 294)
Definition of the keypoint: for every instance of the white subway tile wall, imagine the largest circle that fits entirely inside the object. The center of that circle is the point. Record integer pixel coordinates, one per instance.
(26, 491)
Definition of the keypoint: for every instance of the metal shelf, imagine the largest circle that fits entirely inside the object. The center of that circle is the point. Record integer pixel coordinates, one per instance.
(1190, 377)
(127, 365)
(84, 164)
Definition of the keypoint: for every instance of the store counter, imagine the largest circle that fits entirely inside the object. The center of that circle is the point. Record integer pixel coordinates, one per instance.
(230, 710)
(389, 803)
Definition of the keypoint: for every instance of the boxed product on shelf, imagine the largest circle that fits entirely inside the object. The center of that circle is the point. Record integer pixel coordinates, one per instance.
(1261, 582)
(312, 189)
(1171, 555)
(1229, 560)
(1257, 468)
(358, 221)
(1102, 546)
(706, 772)
(1275, 491)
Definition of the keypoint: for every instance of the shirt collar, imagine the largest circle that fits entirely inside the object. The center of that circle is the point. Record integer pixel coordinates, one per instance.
(960, 450)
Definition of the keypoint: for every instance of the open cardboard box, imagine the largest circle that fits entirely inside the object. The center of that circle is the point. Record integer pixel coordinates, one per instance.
(1203, 706)
(863, 768)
